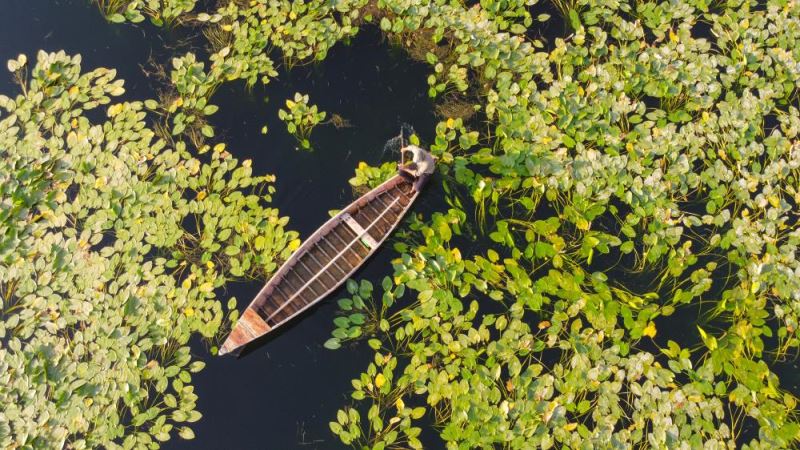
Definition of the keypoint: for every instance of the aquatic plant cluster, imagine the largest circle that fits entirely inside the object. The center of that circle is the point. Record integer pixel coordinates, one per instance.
(301, 118)
(160, 12)
(112, 246)
(637, 171)
(638, 166)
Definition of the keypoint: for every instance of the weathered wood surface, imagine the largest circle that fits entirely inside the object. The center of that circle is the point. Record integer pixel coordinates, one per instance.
(325, 260)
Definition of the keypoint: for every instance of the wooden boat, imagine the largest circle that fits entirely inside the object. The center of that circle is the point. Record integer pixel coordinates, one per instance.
(327, 258)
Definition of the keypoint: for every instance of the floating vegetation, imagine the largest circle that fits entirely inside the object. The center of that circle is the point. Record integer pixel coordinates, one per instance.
(301, 118)
(114, 241)
(631, 150)
(368, 177)
(160, 12)
(456, 108)
(112, 247)
(339, 122)
(635, 168)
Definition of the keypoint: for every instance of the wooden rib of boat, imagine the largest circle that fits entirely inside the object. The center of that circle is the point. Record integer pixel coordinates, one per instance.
(326, 259)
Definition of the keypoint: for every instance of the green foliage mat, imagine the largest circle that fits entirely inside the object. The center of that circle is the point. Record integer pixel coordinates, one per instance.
(112, 244)
(638, 170)
(636, 166)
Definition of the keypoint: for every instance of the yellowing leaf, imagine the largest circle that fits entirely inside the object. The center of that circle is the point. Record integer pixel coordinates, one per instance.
(774, 201)
(649, 330)
(710, 341)
(399, 404)
(380, 380)
(114, 109)
(672, 36)
(294, 244)
(789, 401)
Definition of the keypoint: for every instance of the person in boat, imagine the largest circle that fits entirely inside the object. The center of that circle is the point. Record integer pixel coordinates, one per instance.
(421, 166)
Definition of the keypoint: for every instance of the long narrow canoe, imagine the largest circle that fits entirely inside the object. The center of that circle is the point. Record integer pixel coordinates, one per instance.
(326, 259)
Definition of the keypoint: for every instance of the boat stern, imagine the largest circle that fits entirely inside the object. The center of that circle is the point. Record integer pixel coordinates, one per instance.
(249, 327)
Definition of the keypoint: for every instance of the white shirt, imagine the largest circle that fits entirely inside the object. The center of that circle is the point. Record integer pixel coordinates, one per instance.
(423, 160)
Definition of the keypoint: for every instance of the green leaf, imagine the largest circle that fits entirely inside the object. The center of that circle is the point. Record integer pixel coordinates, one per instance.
(186, 433)
(574, 20)
(332, 344)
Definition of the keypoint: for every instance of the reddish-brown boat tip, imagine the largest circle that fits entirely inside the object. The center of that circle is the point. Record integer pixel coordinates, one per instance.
(249, 327)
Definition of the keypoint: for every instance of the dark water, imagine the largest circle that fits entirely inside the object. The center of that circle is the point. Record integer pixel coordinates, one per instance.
(283, 393)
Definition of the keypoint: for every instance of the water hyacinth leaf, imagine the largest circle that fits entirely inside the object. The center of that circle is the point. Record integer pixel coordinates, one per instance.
(186, 433)
(332, 344)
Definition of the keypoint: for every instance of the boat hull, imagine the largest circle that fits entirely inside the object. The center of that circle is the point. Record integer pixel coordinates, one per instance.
(326, 259)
